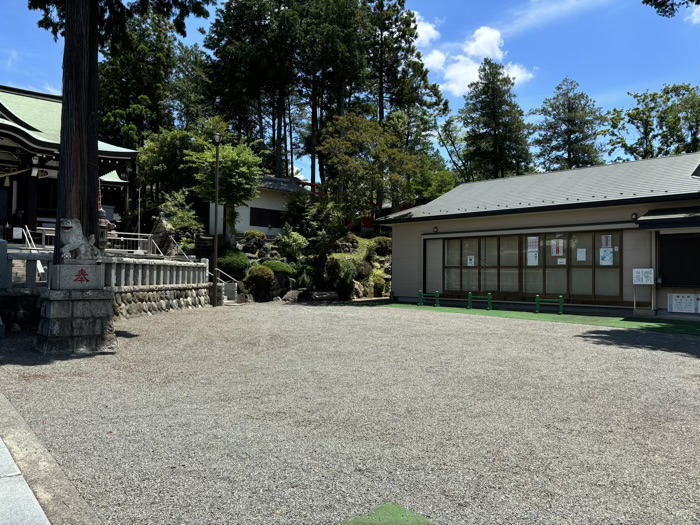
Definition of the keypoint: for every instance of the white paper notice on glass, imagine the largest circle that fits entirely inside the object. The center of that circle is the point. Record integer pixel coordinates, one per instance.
(533, 244)
(471, 260)
(533, 258)
(606, 241)
(606, 256)
(561, 262)
(581, 255)
(557, 247)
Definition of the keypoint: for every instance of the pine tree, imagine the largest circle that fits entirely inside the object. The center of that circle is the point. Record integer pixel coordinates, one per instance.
(566, 135)
(496, 134)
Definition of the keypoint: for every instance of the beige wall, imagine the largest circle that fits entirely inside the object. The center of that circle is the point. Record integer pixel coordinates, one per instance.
(637, 244)
(268, 199)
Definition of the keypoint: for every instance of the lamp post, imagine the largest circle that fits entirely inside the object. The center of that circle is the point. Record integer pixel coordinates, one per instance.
(217, 141)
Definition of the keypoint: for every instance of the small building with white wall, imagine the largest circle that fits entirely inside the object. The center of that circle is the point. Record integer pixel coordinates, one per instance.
(264, 212)
(580, 234)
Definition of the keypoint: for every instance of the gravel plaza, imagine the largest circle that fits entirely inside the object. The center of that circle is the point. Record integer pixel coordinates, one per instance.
(314, 414)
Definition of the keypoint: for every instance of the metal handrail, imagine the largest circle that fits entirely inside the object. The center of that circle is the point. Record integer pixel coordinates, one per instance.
(29, 241)
(227, 275)
(179, 248)
(156, 247)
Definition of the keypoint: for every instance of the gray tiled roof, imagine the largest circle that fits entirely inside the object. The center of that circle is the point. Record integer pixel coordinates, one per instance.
(668, 178)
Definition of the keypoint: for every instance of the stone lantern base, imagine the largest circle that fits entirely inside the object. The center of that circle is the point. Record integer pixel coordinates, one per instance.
(76, 313)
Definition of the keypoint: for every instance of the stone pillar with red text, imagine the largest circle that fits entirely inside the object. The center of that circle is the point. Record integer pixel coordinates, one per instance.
(76, 310)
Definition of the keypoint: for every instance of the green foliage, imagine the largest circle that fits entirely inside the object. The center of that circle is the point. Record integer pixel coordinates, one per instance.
(235, 263)
(162, 160)
(190, 86)
(259, 282)
(239, 173)
(254, 236)
(380, 246)
(133, 82)
(496, 135)
(669, 8)
(340, 274)
(290, 243)
(378, 283)
(281, 268)
(661, 123)
(181, 219)
(567, 133)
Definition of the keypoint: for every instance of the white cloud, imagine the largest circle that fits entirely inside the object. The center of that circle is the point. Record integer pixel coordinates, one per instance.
(435, 60)
(486, 42)
(461, 72)
(427, 32)
(520, 74)
(540, 12)
(51, 90)
(462, 69)
(12, 57)
(694, 16)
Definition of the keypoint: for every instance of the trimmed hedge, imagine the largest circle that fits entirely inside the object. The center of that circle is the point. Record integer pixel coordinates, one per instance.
(379, 246)
(251, 235)
(259, 282)
(279, 267)
(234, 263)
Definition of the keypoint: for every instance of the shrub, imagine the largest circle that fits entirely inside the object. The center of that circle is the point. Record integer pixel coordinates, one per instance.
(253, 235)
(259, 282)
(340, 274)
(291, 243)
(364, 270)
(234, 263)
(378, 283)
(380, 246)
(278, 267)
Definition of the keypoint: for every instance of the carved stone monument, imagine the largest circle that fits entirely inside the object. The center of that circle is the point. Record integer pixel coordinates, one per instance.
(76, 312)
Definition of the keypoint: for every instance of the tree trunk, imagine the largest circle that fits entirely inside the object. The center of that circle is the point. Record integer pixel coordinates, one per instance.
(78, 148)
(291, 138)
(278, 142)
(314, 130)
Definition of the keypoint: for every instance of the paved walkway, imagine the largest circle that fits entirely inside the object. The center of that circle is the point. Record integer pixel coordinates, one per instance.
(290, 414)
(18, 506)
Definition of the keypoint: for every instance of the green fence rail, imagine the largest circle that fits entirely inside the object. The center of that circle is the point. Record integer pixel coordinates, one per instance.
(488, 298)
(435, 296)
(539, 302)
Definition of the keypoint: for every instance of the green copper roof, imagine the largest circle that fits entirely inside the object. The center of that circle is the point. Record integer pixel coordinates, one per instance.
(38, 115)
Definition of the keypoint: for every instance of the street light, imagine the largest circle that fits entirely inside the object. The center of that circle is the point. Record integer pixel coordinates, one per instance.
(217, 141)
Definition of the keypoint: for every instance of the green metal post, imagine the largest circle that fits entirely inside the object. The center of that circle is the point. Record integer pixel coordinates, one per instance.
(537, 304)
(469, 300)
(420, 297)
(490, 303)
(561, 305)
(437, 298)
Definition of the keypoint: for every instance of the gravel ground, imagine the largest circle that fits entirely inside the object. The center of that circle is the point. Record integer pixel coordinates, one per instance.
(291, 414)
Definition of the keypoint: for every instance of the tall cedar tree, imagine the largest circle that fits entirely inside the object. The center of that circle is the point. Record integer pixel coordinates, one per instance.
(495, 131)
(133, 82)
(333, 65)
(190, 87)
(566, 135)
(255, 48)
(86, 26)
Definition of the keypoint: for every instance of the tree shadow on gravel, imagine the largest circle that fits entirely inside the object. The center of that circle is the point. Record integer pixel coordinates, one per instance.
(20, 350)
(645, 340)
(354, 304)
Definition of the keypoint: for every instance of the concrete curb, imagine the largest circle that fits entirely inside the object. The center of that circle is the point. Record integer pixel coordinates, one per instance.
(18, 505)
(61, 502)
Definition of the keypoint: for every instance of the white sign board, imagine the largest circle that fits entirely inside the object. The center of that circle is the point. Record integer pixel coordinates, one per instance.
(681, 303)
(16, 234)
(643, 276)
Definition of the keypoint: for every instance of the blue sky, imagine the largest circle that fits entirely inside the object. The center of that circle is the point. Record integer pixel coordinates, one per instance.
(609, 46)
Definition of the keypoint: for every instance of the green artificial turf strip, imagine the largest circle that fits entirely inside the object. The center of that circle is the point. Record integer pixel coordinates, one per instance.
(389, 514)
(667, 325)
